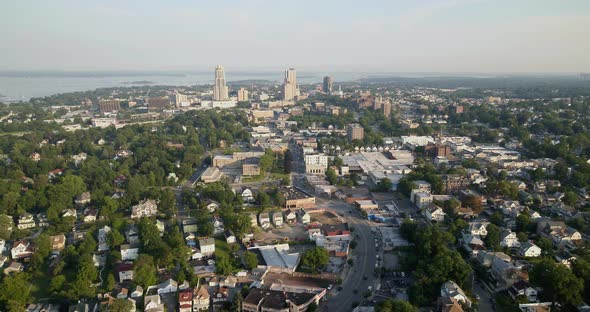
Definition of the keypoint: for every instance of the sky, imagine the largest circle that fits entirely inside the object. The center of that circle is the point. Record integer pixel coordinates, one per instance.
(454, 36)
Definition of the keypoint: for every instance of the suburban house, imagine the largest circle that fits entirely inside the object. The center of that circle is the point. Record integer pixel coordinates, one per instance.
(82, 199)
(523, 288)
(21, 249)
(212, 206)
(89, 215)
(132, 234)
(528, 249)
(201, 299)
(125, 272)
(58, 242)
(218, 226)
(450, 289)
(247, 195)
(253, 220)
(277, 218)
(153, 304)
(264, 220)
(26, 221)
(478, 228)
(509, 239)
(207, 246)
(168, 286)
(129, 252)
(185, 301)
(303, 216)
(434, 213)
(220, 295)
(145, 208)
(230, 238)
(290, 216)
(69, 213)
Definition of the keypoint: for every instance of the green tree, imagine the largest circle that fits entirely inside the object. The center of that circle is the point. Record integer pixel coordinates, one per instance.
(110, 283)
(331, 176)
(15, 290)
(314, 258)
(144, 271)
(236, 304)
(223, 265)
(581, 268)
(6, 226)
(251, 260)
(391, 305)
(115, 238)
(559, 283)
(492, 239)
(120, 305)
(570, 198)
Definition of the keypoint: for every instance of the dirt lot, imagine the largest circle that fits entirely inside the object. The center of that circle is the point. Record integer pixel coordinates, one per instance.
(304, 280)
(295, 232)
(325, 217)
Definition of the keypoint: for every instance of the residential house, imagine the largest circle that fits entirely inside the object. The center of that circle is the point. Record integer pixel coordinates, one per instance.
(145, 208)
(69, 213)
(264, 220)
(290, 216)
(132, 234)
(434, 213)
(523, 288)
(303, 216)
(123, 293)
(153, 304)
(14, 267)
(185, 301)
(230, 237)
(247, 195)
(558, 232)
(138, 292)
(21, 249)
(277, 218)
(509, 239)
(201, 299)
(129, 252)
(168, 286)
(103, 244)
(314, 233)
(528, 249)
(124, 272)
(218, 226)
(90, 215)
(58, 242)
(26, 221)
(212, 206)
(478, 228)
(220, 295)
(83, 199)
(512, 208)
(421, 198)
(472, 243)
(450, 289)
(253, 220)
(207, 246)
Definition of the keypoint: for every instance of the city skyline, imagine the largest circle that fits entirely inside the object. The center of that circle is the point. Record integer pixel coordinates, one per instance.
(481, 36)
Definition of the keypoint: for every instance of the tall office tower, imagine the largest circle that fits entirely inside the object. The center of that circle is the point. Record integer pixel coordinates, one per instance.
(290, 85)
(242, 95)
(387, 108)
(355, 132)
(180, 99)
(328, 84)
(220, 89)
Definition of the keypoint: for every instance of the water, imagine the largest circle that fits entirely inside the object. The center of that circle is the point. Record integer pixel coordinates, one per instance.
(21, 86)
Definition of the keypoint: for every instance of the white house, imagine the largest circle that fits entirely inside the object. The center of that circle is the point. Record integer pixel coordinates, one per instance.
(264, 220)
(303, 216)
(21, 249)
(277, 218)
(523, 288)
(528, 249)
(145, 208)
(478, 228)
(509, 239)
(129, 252)
(290, 216)
(434, 213)
(218, 226)
(212, 206)
(125, 272)
(247, 195)
(168, 286)
(230, 238)
(153, 304)
(207, 246)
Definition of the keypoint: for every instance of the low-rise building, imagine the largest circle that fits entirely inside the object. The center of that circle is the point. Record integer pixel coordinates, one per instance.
(145, 208)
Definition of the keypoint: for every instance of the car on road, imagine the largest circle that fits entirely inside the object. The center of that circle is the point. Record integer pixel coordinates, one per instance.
(330, 287)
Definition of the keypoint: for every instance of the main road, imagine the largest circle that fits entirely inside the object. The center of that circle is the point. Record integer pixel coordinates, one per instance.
(361, 274)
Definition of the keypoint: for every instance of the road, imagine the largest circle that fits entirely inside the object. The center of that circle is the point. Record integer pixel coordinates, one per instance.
(364, 254)
(485, 297)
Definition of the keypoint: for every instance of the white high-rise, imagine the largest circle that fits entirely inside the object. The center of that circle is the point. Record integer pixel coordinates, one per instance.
(220, 92)
(290, 85)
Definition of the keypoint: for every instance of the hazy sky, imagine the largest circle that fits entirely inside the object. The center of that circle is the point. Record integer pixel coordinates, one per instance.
(355, 35)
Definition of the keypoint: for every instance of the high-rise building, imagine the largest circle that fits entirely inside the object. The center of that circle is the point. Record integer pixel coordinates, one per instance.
(243, 95)
(387, 108)
(180, 99)
(220, 92)
(328, 84)
(108, 106)
(290, 85)
(355, 132)
(377, 103)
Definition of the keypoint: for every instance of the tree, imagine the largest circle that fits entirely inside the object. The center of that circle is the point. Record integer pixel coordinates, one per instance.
(492, 239)
(6, 225)
(331, 176)
(570, 198)
(581, 268)
(312, 307)
(523, 222)
(391, 305)
(384, 185)
(115, 238)
(121, 305)
(251, 260)
(559, 283)
(110, 285)
(314, 258)
(497, 218)
(236, 304)
(223, 265)
(15, 290)
(144, 271)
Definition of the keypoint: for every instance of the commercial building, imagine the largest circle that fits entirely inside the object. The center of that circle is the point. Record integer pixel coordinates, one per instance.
(220, 92)
(290, 85)
(181, 100)
(355, 132)
(158, 103)
(316, 163)
(276, 300)
(108, 106)
(211, 174)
